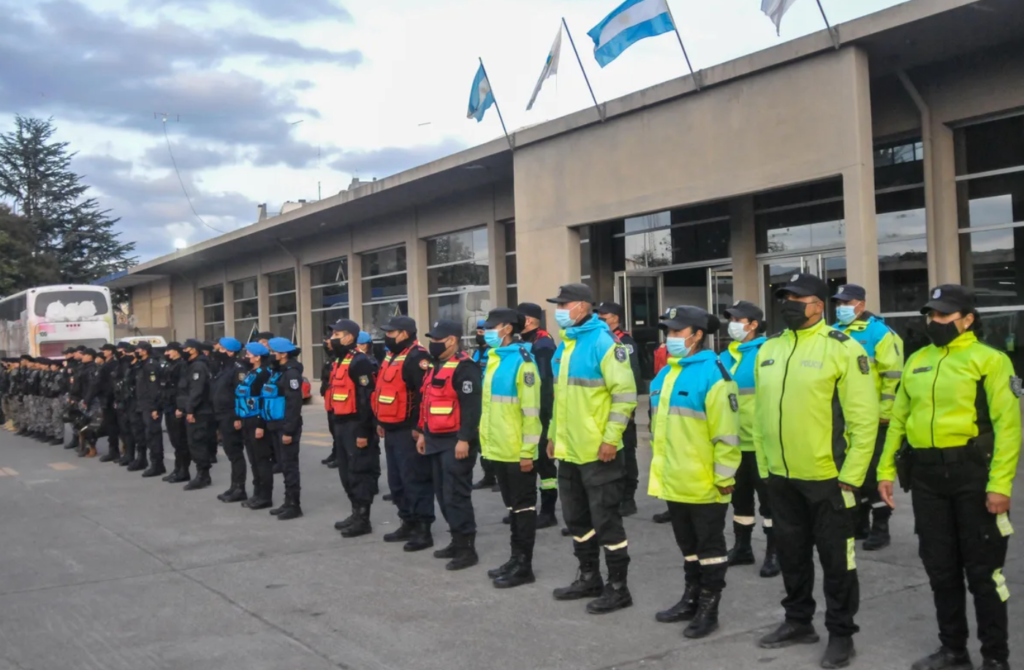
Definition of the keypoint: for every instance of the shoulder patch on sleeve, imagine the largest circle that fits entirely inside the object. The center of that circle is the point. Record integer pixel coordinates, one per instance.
(467, 387)
(1017, 386)
(734, 402)
(294, 384)
(620, 353)
(241, 376)
(195, 376)
(424, 364)
(864, 365)
(529, 378)
(725, 373)
(838, 335)
(364, 380)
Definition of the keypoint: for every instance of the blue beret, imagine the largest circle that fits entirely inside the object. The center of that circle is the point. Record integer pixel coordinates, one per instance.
(230, 344)
(257, 349)
(364, 338)
(480, 323)
(281, 345)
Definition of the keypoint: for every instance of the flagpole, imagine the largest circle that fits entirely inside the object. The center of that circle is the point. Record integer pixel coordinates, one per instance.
(500, 118)
(831, 31)
(675, 27)
(593, 97)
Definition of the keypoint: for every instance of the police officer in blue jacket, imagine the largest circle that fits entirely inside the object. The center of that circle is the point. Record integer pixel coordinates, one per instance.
(253, 426)
(282, 410)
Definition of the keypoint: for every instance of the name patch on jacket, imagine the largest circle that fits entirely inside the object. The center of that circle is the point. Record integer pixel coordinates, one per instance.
(862, 363)
(770, 361)
(922, 370)
(811, 364)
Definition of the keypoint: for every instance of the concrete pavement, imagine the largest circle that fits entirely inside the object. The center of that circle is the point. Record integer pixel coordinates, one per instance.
(101, 569)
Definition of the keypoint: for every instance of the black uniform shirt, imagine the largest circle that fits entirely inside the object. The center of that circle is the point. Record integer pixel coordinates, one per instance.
(149, 386)
(197, 384)
(231, 374)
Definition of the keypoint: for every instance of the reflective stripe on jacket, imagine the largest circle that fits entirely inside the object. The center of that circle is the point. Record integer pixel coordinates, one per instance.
(510, 418)
(739, 359)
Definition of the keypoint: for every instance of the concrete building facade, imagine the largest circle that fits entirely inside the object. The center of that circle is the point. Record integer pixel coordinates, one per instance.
(895, 161)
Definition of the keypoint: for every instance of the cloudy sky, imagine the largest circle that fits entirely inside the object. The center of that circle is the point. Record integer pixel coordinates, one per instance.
(268, 98)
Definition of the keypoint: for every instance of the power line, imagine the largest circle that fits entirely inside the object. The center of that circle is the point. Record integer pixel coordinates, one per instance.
(181, 181)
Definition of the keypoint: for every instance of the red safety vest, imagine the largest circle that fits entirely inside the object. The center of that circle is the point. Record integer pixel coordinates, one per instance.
(660, 358)
(390, 398)
(341, 396)
(440, 409)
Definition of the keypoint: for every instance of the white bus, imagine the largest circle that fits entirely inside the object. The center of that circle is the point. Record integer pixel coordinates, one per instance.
(44, 321)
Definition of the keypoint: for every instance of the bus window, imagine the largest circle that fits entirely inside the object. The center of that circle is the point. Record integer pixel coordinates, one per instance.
(70, 305)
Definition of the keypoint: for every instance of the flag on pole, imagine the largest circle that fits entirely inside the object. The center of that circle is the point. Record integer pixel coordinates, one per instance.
(480, 97)
(631, 22)
(776, 9)
(550, 67)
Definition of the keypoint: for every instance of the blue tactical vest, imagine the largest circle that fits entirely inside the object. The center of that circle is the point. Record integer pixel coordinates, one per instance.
(273, 402)
(247, 406)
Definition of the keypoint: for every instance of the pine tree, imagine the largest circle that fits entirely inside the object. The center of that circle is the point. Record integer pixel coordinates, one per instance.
(68, 237)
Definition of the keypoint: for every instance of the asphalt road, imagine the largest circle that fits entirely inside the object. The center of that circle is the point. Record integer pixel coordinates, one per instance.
(100, 569)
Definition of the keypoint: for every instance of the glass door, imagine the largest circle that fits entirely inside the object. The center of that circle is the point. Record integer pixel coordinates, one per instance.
(777, 272)
(641, 296)
(720, 298)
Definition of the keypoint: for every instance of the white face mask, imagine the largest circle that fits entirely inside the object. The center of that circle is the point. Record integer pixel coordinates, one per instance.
(738, 331)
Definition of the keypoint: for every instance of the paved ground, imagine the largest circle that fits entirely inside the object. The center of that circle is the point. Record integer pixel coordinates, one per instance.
(100, 569)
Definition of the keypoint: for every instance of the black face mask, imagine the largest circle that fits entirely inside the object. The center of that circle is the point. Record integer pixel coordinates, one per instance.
(941, 334)
(437, 350)
(480, 341)
(340, 349)
(794, 313)
(393, 345)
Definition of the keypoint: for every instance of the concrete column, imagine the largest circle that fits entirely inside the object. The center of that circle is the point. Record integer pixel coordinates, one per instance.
(304, 317)
(263, 302)
(859, 189)
(546, 260)
(416, 266)
(743, 249)
(498, 283)
(943, 238)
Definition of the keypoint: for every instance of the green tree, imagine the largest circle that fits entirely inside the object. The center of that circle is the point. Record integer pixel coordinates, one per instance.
(67, 236)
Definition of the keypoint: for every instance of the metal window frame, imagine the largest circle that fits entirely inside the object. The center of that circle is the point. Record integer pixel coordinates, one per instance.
(995, 226)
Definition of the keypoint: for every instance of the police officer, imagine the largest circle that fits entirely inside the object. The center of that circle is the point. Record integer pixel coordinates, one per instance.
(90, 406)
(957, 415)
(488, 480)
(450, 436)
(396, 406)
(614, 316)
(510, 431)
(695, 426)
(71, 362)
(139, 426)
(197, 409)
(253, 426)
(746, 330)
(222, 390)
(355, 435)
(108, 378)
(814, 432)
(214, 364)
(58, 388)
(124, 400)
(281, 402)
(543, 350)
(885, 354)
(593, 379)
(173, 371)
(325, 383)
(149, 391)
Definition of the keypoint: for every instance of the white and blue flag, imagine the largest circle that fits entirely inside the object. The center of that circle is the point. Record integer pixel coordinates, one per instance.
(550, 67)
(776, 9)
(481, 97)
(631, 22)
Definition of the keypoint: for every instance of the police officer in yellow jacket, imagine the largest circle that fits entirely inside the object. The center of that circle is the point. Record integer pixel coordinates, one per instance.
(695, 427)
(594, 397)
(510, 431)
(885, 354)
(814, 434)
(956, 429)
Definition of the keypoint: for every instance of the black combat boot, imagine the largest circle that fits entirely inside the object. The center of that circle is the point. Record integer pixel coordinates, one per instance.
(236, 496)
(223, 496)
(71, 443)
(863, 522)
(346, 522)
(878, 538)
(504, 568)
(507, 519)
(945, 659)
(588, 584)
(327, 461)
(521, 573)
(155, 470)
(138, 464)
(741, 552)
(387, 497)
(662, 517)
(173, 473)
(111, 456)
(402, 533)
(839, 652)
(277, 510)
(200, 481)
(488, 481)
(770, 567)
(465, 552)
(261, 499)
(181, 476)
(421, 538)
(447, 552)
(788, 634)
(992, 664)
(291, 510)
(615, 596)
(705, 621)
(360, 524)
(546, 518)
(684, 610)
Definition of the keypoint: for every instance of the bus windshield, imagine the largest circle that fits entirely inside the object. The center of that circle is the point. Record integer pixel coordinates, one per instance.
(70, 305)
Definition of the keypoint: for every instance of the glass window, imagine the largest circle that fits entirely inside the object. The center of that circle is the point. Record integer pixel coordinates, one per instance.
(995, 145)
(511, 267)
(510, 238)
(512, 296)
(246, 288)
(902, 250)
(213, 312)
(464, 308)
(282, 304)
(899, 165)
(686, 235)
(324, 318)
(376, 314)
(213, 295)
(385, 288)
(329, 301)
(281, 282)
(213, 331)
(383, 262)
(246, 310)
(458, 278)
(467, 245)
(283, 326)
(991, 201)
(817, 226)
(988, 264)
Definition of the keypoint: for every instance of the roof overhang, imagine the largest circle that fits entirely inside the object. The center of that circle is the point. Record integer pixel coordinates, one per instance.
(126, 279)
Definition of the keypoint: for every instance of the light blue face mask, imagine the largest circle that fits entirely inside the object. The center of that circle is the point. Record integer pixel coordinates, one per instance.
(677, 347)
(563, 318)
(492, 338)
(846, 314)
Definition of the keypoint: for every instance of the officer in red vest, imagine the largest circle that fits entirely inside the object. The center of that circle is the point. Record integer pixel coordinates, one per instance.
(543, 351)
(396, 404)
(349, 397)
(450, 436)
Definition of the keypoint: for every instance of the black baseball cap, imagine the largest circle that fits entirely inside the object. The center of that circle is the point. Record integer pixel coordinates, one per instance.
(89, 352)
(80, 348)
(128, 348)
(612, 308)
(144, 346)
(192, 343)
(346, 326)
(949, 299)
(399, 322)
(71, 350)
(803, 285)
(108, 347)
(531, 309)
(496, 317)
(173, 346)
(851, 292)
(687, 316)
(445, 328)
(744, 309)
(572, 293)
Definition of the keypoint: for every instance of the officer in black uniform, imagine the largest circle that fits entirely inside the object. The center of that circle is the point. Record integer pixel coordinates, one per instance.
(614, 317)
(149, 391)
(108, 379)
(325, 382)
(198, 412)
(355, 433)
(285, 424)
(173, 371)
(232, 372)
(141, 461)
(90, 380)
(214, 364)
(124, 400)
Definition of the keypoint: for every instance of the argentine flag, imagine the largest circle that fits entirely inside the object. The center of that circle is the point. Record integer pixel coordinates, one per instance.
(550, 67)
(631, 22)
(480, 97)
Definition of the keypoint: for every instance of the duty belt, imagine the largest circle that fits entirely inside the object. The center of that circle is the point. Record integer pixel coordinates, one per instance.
(946, 456)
